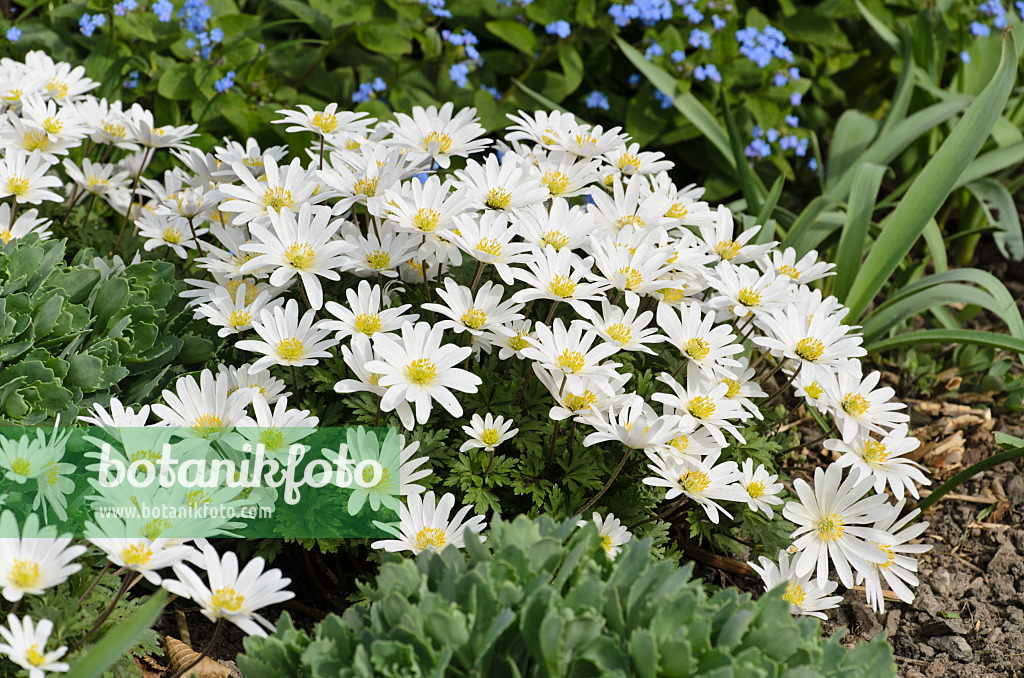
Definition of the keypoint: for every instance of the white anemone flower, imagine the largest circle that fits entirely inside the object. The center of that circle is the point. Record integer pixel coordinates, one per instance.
(286, 339)
(883, 460)
(356, 358)
(806, 269)
(634, 424)
(326, 123)
(278, 429)
(288, 186)
(703, 404)
(25, 645)
(832, 524)
(559, 275)
(26, 223)
(489, 239)
(804, 595)
(859, 406)
(135, 552)
(234, 315)
(487, 432)
(707, 345)
(364, 314)
(509, 184)
(425, 525)
(762, 490)
(718, 237)
(706, 482)
(471, 313)
(263, 383)
(204, 407)
(566, 175)
(33, 560)
(613, 533)
(399, 469)
(26, 177)
(231, 594)
(419, 369)
(818, 342)
(300, 245)
(434, 133)
(743, 290)
(899, 569)
(572, 355)
(630, 331)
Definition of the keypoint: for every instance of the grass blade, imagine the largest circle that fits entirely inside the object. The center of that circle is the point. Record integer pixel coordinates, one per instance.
(858, 221)
(118, 640)
(974, 337)
(1001, 211)
(747, 184)
(771, 201)
(903, 226)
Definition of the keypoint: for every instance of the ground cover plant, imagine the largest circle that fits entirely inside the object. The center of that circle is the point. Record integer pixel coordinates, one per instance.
(551, 321)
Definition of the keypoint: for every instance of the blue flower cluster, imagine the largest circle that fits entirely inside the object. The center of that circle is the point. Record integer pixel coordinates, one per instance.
(465, 44)
(761, 145)
(561, 28)
(707, 72)
(437, 8)
(122, 8)
(763, 46)
(225, 83)
(133, 80)
(368, 90)
(493, 91)
(164, 10)
(597, 99)
(90, 22)
(649, 12)
(13, 34)
(509, 3)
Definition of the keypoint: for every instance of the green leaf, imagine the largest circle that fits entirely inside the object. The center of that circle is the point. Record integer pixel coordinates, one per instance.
(973, 337)
(572, 66)
(904, 225)
(858, 221)
(384, 38)
(540, 98)
(904, 88)
(687, 104)
(1001, 211)
(515, 34)
(118, 640)
(177, 83)
(992, 162)
(771, 201)
(879, 27)
(854, 132)
(747, 184)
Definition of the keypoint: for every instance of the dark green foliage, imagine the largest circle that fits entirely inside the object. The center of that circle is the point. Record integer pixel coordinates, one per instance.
(541, 598)
(73, 334)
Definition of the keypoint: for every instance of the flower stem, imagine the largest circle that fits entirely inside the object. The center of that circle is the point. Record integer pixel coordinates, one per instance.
(131, 201)
(775, 396)
(93, 584)
(827, 434)
(615, 473)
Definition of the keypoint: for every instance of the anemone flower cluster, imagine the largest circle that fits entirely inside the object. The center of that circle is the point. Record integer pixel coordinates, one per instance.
(358, 252)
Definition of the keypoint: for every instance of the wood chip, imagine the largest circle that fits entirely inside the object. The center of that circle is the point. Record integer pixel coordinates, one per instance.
(888, 595)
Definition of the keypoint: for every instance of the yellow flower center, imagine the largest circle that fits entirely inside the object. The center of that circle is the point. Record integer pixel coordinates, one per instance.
(135, 556)
(678, 211)
(250, 289)
(443, 141)
(672, 295)
(353, 144)
(628, 163)
(814, 390)
(35, 140)
(695, 481)
(584, 139)
(620, 333)
(92, 181)
(421, 372)
(195, 498)
(629, 220)
(701, 407)
(5, 235)
(53, 125)
(24, 573)
(875, 453)
(22, 466)
(290, 348)
(855, 404)
(375, 379)
(810, 348)
(368, 472)
(794, 594)
(172, 235)
(150, 455)
(367, 187)
(325, 122)
(115, 130)
(34, 656)
(633, 277)
(207, 425)
(727, 249)
(490, 437)
(734, 387)
(430, 537)
(489, 246)
(256, 161)
(556, 239)
(426, 219)
(58, 89)
(697, 348)
(681, 443)
(239, 319)
(13, 95)
(17, 185)
(755, 489)
(830, 527)
(579, 403)
(156, 527)
(606, 542)
(749, 296)
(300, 256)
(474, 318)
(557, 182)
(562, 286)
(368, 323)
(890, 554)
(378, 260)
(790, 271)
(272, 438)
(498, 199)
(227, 599)
(277, 198)
(518, 342)
(571, 361)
